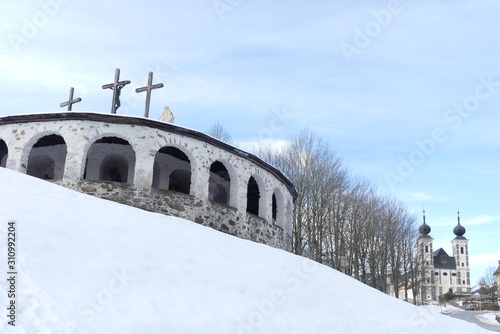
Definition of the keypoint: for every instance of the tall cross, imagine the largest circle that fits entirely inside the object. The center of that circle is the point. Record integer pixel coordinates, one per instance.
(148, 89)
(116, 87)
(70, 101)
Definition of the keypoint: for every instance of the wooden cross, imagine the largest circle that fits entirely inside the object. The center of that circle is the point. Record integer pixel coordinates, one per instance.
(148, 89)
(70, 101)
(116, 87)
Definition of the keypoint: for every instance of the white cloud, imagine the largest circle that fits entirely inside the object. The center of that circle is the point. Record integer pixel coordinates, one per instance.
(489, 258)
(421, 196)
(479, 220)
(253, 145)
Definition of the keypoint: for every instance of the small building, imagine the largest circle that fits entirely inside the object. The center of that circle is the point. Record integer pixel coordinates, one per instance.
(497, 275)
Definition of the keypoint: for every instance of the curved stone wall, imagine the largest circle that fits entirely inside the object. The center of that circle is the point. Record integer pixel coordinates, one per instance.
(155, 166)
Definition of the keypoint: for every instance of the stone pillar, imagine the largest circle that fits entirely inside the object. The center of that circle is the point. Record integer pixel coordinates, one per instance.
(75, 158)
(200, 174)
(144, 162)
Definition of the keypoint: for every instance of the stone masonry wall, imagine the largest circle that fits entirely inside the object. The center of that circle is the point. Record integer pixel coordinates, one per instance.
(211, 214)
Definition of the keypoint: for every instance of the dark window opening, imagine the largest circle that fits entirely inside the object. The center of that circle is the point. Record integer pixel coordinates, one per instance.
(112, 140)
(114, 168)
(253, 196)
(47, 158)
(4, 152)
(42, 167)
(274, 208)
(110, 159)
(172, 170)
(180, 181)
(175, 152)
(219, 183)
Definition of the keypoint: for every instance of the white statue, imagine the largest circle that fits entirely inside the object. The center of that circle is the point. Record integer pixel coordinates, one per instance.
(166, 116)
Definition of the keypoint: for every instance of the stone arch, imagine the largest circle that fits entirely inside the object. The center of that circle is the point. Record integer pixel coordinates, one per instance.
(172, 170)
(4, 153)
(110, 158)
(219, 183)
(47, 158)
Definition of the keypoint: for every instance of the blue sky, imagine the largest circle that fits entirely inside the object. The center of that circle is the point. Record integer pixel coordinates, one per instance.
(407, 92)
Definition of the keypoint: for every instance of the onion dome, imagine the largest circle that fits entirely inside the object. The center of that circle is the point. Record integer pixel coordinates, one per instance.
(424, 228)
(459, 230)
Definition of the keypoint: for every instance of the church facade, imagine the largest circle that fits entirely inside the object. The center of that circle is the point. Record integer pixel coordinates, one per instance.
(439, 271)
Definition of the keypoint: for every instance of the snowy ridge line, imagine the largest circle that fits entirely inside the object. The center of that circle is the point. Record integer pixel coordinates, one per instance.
(93, 266)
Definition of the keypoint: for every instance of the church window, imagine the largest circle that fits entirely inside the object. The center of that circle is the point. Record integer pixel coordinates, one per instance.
(172, 170)
(445, 274)
(461, 250)
(4, 151)
(427, 249)
(219, 183)
(47, 158)
(110, 159)
(444, 260)
(462, 264)
(253, 196)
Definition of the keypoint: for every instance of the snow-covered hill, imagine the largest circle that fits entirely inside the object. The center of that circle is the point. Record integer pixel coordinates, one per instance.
(86, 265)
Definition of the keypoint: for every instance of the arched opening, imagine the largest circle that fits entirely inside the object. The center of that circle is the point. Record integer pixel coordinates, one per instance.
(110, 159)
(47, 158)
(172, 170)
(4, 153)
(180, 181)
(114, 167)
(253, 196)
(274, 208)
(219, 183)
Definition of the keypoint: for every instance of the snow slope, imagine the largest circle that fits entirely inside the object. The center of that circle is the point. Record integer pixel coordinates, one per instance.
(87, 265)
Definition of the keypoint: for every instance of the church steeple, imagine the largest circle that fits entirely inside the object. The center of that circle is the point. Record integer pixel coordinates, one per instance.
(424, 229)
(459, 230)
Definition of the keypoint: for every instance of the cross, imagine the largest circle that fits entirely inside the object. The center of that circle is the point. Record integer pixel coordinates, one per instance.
(148, 89)
(70, 101)
(116, 87)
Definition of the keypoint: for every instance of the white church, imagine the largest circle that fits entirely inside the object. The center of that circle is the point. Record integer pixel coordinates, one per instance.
(440, 272)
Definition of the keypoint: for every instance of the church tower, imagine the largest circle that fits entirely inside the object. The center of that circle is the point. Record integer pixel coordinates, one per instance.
(425, 252)
(461, 254)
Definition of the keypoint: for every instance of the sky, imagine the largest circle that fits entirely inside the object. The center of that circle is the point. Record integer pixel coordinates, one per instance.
(407, 93)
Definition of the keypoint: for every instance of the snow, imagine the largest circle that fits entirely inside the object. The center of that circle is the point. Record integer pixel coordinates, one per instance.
(441, 309)
(86, 265)
(489, 318)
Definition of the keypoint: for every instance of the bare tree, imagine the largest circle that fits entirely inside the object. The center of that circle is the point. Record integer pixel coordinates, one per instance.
(342, 221)
(218, 131)
(488, 284)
